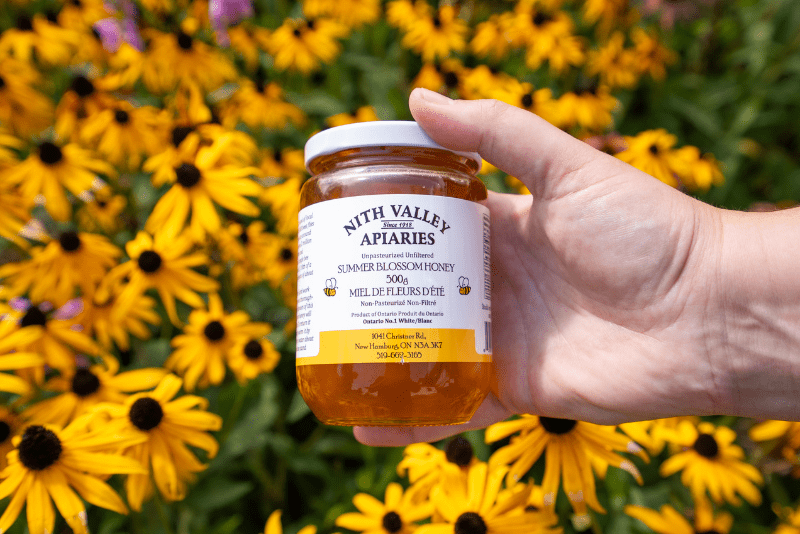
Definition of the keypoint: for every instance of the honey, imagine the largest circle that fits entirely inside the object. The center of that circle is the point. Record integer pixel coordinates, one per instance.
(394, 316)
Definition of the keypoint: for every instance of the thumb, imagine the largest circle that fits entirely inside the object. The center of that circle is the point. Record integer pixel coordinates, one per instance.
(514, 140)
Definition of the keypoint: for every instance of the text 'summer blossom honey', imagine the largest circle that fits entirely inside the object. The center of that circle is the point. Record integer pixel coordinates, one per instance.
(393, 287)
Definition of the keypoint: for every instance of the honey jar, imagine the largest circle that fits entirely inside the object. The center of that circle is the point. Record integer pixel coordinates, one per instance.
(393, 282)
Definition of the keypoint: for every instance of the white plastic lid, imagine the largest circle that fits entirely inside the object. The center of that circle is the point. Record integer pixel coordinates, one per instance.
(374, 133)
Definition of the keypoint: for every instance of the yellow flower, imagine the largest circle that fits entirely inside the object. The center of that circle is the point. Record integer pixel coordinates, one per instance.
(570, 448)
(607, 13)
(55, 271)
(491, 37)
(651, 56)
(245, 251)
(163, 262)
(260, 104)
(699, 171)
(351, 13)
(398, 513)
(613, 63)
(280, 260)
(442, 77)
(79, 101)
(49, 465)
(301, 45)
(200, 184)
(124, 133)
(525, 96)
(84, 387)
(48, 42)
(480, 506)
(23, 109)
(11, 359)
(404, 14)
(427, 467)
(651, 151)
(790, 521)
(180, 57)
(652, 434)
(785, 434)
(283, 201)
(710, 462)
(437, 36)
(44, 175)
(669, 521)
(362, 114)
(10, 426)
(273, 525)
(589, 109)
(103, 318)
(250, 357)
(103, 213)
(166, 426)
(201, 351)
(125, 67)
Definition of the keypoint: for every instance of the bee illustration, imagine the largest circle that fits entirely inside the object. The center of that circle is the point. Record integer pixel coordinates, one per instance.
(330, 287)
(463, 285)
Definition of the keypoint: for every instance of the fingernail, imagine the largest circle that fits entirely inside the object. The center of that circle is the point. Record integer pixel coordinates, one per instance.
(433, 97)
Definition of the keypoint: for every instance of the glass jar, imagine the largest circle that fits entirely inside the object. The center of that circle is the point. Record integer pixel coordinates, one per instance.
(394, 310)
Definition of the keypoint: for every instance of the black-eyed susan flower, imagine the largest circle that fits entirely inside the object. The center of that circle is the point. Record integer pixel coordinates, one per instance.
(301, 45)
(437, 36)
(524, 95)
(273, 525)
(50, 169)
(58, 337)
(13, 359)
(351, 13)
(166, 425)
(608, 13)
(243, 250)
(54, 272)
(790, 521)
(10, 426)
(669, 521)
(570, 447)
(163, 262)
(283, 201)
(281, 259)
(700, 172)
(79, 101)
(652, 151)
(23, 109)
(280, 164)
(79, 389)
(251, 357)
(49, 464)
(484, 82)
(14, 215)
(361, 114)
(125, 67)
(181, 57)
(491, 37)
(103, 213)
(404, 14)
(589, 108)
(103, 319)
(184, 143)
(260, 104)
(784, 437)
(125, 134)
(615, 65)
(652, 57)
(200, 186)
(710, 462)
(207, 341)
(480, 505)
(443, 77)
(427, 466)
(37, 36)
(247, 40)
(398, 514)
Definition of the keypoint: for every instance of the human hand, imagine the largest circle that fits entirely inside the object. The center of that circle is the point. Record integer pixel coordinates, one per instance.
(601, 294)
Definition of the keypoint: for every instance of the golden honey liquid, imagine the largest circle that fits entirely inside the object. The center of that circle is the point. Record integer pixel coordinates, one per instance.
(392, 393)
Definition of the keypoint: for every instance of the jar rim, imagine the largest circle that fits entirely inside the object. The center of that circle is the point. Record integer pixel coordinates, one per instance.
(374, 133)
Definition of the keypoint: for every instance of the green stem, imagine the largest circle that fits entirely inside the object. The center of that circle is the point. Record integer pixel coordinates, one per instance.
(162, 514)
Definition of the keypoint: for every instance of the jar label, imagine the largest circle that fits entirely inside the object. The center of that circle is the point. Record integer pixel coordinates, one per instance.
(394, 278)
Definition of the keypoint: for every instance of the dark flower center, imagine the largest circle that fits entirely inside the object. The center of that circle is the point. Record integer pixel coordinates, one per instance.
(146, 413)
(277, 155)
(82, 86)
(214, 331)
(179, 133)
(125, 357)
(654, 150)
(541, 18)
(24, 23)
(527, 100)
(557, 426)
(706, 446)
(392, 522)
(470, 523)
(310, 24)
(101, 204)
(85, 382)
(451, 79)
(149, 261)
(531, 508)
(50, 153)
(459, 451)
(286, 254)
(297, 33)
(184, 41)
(52, 16)
(69, 241)
(437, 22)
(243, 237)
(121, 116)
(34, 316)
(260, 80)
(188, 175)
(253, 350)
(2, 82)
(39, 448)
(5, 431)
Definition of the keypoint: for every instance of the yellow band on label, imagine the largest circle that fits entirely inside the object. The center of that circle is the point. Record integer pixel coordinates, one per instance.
(401, 345)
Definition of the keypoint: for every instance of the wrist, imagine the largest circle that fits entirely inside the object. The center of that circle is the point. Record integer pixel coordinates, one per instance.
(755, 343)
